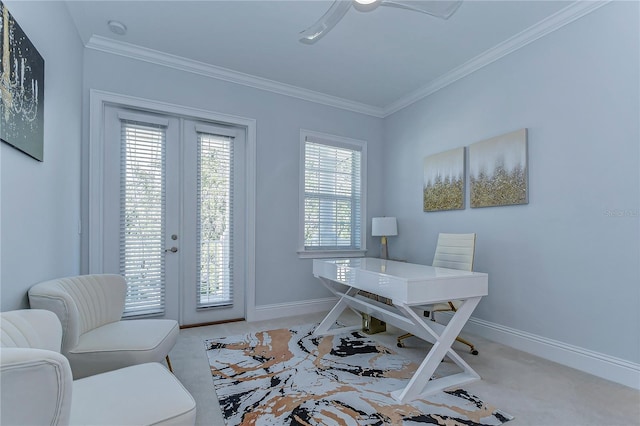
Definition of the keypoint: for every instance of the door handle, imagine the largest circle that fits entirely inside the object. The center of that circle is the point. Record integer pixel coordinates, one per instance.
(172, 250)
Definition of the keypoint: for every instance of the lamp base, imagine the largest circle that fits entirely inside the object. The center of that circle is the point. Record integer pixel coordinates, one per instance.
(384, 250)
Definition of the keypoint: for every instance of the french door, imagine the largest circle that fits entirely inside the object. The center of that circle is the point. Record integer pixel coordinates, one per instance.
(173, 215)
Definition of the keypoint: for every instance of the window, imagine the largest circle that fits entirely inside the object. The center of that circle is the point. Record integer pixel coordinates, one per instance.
(333, 174)
(142, 197)
(214, 220)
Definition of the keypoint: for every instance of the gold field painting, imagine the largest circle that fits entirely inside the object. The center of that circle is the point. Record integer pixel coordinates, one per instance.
(444, 181)
(498, 171)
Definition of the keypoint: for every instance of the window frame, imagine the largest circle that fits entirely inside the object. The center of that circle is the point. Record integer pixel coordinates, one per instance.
(338, 142)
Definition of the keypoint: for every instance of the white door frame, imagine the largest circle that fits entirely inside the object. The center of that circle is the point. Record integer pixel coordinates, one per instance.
(97, 101)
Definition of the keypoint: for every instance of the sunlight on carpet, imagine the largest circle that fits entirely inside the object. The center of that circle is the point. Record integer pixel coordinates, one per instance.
(289, 376)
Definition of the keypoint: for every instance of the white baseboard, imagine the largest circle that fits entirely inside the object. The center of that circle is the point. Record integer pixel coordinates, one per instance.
(279, 310)
(608, 367)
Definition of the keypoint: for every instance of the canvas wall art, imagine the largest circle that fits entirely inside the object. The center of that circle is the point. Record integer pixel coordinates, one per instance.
(498, 171)
(22, 89)
(444, 176)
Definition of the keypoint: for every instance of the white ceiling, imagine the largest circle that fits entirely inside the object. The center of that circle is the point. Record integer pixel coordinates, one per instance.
(374, 58)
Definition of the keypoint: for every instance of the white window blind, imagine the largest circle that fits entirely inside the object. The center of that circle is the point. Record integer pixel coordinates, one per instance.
(332, 195)
(214, 220)
(142, 200)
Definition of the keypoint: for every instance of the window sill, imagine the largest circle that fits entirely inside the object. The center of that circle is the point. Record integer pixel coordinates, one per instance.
(325, 254)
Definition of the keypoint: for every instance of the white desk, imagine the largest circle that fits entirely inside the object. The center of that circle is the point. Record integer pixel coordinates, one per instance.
(407, 285)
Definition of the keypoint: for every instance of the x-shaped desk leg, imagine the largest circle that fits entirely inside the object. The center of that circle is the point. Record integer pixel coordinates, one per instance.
(325, 326)
(420, 383)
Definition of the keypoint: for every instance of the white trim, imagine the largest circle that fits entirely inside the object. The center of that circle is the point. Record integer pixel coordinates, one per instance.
(279, 310)
(217, 130)
(143, 118)
(97, 101)
(133, 51)
(574, 11)
(608, 367)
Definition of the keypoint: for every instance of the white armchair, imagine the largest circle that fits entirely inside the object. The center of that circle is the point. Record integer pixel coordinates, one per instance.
(94, 338)
(37, 387)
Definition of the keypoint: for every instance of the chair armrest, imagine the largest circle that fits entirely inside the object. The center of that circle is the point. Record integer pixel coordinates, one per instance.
(36, 387)
(52, 297)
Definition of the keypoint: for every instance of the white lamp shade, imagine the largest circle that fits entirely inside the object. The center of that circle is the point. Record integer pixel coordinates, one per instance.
(384, 227)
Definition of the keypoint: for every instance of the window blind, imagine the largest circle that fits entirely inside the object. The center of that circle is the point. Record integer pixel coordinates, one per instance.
(215, 220)
(332, 197)
(142, 201)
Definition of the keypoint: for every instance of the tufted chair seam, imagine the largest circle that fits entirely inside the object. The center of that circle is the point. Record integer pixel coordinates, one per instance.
(89, 294)
(25, 337)
(78, 294)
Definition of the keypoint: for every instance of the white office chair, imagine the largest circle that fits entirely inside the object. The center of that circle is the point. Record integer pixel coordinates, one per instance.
(38, 389)
(94, 339)
(453, 251)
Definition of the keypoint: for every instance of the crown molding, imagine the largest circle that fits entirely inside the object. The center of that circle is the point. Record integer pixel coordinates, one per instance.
(548, 25)
(133, 51)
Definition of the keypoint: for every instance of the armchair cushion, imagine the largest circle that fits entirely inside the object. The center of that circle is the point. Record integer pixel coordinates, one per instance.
(121, 344)
(145, 394)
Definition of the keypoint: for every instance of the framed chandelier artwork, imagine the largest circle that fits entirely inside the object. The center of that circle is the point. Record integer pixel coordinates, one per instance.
(22, 89)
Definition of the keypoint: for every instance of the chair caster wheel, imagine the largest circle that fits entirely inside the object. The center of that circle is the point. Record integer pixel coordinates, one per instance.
(400, 345)
(474, 352)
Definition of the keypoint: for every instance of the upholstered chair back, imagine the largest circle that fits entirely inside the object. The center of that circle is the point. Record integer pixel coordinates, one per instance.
(38, 329)
(82, 303)
(455, 251)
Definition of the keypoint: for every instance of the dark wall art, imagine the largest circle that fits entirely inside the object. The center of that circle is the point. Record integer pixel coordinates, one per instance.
(22, 89)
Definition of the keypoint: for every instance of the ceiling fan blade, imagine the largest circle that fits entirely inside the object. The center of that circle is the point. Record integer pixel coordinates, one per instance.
(335, 13)
(441, 9)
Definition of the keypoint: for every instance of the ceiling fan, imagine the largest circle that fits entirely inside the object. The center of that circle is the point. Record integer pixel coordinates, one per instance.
(441, 9)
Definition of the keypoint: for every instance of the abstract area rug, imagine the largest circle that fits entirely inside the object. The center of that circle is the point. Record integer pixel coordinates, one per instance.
(289, 377)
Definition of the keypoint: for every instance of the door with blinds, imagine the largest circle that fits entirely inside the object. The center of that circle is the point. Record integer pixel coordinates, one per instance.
(173, 215)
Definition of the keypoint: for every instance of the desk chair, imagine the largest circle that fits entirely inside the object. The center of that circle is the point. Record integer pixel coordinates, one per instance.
(453, 251)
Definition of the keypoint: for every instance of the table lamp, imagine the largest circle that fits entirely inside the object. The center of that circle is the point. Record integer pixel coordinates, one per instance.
(384, 227)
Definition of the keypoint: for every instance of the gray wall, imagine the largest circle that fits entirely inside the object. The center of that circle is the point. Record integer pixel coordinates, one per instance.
(565, 266)
(280, 276)
(41, 201)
